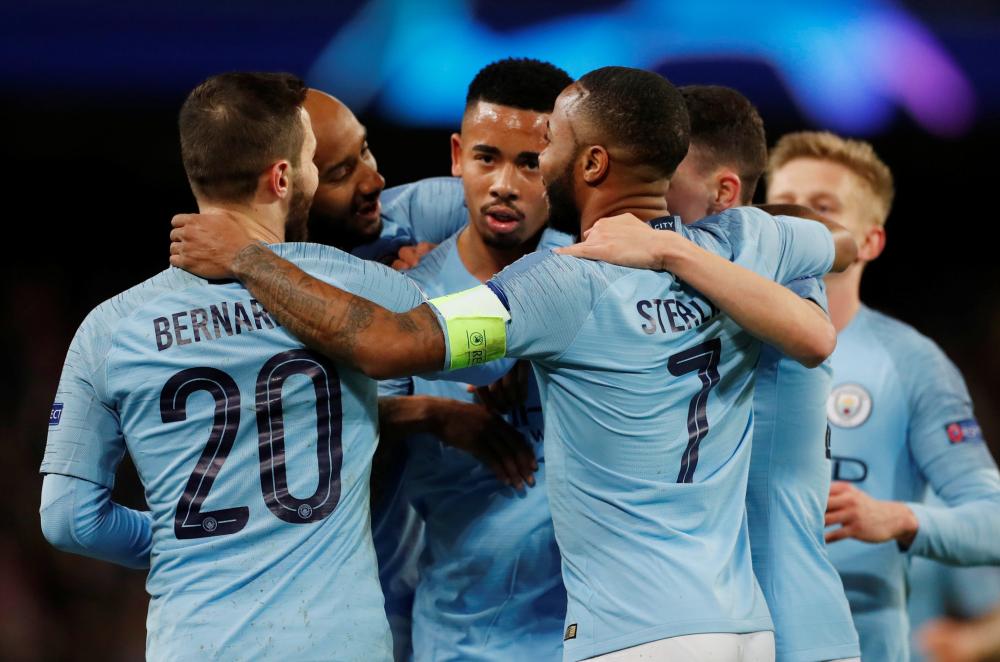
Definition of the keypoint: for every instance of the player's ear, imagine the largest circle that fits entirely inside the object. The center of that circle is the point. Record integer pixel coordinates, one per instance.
(279, 178)
(728, 189)
(596, 162)
(873, 243)
(456, 155)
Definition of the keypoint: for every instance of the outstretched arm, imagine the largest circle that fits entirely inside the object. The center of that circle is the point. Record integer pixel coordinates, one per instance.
(765, 309)
(347, 328)
(846, 250)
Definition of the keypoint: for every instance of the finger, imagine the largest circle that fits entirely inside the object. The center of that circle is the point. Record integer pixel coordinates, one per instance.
(487, 397)
(399, 265)
(488, 456)
(179, 221)
(573, 249)
(510, 468)
(838, 534)
(838, 517)
(177, 261)
(177, 234)
(839, 501)
(839, 487)
(517, 448)
(175, 248)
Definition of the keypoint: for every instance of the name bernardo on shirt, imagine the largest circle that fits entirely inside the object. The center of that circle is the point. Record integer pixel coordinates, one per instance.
(200, 324)
(673, 315)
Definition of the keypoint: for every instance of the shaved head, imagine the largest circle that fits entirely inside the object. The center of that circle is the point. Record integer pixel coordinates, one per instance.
(346, 211)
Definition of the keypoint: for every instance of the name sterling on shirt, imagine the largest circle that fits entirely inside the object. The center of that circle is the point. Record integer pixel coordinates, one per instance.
(680, 316)
(198, 324)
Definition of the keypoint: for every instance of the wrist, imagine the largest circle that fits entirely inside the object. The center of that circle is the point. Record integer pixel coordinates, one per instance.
(244, 258)
(675, 253)
(907, 526)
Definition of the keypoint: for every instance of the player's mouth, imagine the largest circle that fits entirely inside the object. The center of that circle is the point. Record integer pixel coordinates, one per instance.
(369, 211)
(503, 219)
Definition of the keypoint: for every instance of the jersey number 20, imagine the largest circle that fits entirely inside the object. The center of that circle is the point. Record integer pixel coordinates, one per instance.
(189, 520)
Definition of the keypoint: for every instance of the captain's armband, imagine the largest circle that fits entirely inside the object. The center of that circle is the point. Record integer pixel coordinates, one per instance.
(475, 324)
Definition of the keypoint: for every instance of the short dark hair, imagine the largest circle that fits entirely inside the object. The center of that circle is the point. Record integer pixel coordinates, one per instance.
(234, 125)
(729, 128)
(521, 82)
(639, 111)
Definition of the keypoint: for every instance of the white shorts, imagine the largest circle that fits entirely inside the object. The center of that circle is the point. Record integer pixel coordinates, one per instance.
(711, 647)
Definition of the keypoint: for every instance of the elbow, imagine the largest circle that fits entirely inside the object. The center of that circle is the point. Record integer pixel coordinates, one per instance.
(819, 347)
(379, 363)
(58, 532)
(846, 250)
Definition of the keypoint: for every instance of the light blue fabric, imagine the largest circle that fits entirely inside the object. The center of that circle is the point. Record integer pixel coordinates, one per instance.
(647, 391)
(786, 501)
(79, 517)
(275, 556)
(938, 590)
(895, 399)
(490, 586)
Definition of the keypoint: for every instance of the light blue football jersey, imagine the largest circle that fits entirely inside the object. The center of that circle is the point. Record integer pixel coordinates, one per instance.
(421, 211)
(490, 586)
(786, 501)
(647, 391)
(254, 453)
(937, 590)
(901, 419)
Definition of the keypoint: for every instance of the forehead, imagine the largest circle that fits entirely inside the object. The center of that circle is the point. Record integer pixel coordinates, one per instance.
(807, 177)
(497, 123)
(338, 133)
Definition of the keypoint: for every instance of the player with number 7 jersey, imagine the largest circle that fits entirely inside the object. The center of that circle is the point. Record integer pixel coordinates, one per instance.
(647, 389)
(255, 455)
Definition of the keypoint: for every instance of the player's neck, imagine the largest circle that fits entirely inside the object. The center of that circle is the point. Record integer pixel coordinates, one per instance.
(843, 291)
(646, 204)
(484, 261)
(266, 224)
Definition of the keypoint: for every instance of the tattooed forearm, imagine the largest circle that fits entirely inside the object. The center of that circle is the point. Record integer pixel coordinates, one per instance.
(345, 327)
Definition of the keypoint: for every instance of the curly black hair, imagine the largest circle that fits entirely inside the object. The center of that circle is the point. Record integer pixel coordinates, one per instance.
(522, 83)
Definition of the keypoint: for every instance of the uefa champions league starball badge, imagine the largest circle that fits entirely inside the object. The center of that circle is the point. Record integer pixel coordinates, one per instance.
(848, 406)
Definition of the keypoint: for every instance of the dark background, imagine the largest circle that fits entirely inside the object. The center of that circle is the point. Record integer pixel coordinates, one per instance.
(88, 108)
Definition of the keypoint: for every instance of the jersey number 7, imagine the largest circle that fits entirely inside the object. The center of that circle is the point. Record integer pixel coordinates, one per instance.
(189, 520)
(705, 359)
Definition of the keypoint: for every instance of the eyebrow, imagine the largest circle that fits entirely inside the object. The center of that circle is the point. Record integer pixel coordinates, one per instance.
(495, 151)
(349, 159)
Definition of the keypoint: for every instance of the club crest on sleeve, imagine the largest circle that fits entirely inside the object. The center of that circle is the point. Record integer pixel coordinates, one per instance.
(967, 430)
(570, 632)
(55, 415)
(849, 405)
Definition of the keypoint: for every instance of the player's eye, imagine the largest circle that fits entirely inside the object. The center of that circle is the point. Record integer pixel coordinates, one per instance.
(485, 158)
(530, 162)
(339, 173)
(364, 148)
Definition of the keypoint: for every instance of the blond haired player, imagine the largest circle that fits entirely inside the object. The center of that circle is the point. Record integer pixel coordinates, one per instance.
(900, 414)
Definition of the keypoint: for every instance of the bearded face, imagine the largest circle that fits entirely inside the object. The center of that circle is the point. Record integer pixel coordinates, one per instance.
(564, 213)
(297, 221)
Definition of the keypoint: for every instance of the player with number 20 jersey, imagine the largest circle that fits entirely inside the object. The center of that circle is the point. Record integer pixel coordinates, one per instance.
(255, 456)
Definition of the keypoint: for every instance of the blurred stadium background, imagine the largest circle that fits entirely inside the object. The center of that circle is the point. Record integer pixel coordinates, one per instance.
(90, 93)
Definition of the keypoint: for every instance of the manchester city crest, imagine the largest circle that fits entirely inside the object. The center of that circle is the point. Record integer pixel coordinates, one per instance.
(849, 405)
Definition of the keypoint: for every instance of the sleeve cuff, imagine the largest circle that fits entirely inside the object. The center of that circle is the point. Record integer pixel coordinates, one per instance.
(919, 546)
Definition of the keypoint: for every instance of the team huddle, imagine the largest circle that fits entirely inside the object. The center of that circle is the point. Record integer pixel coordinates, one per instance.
(599, 406)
